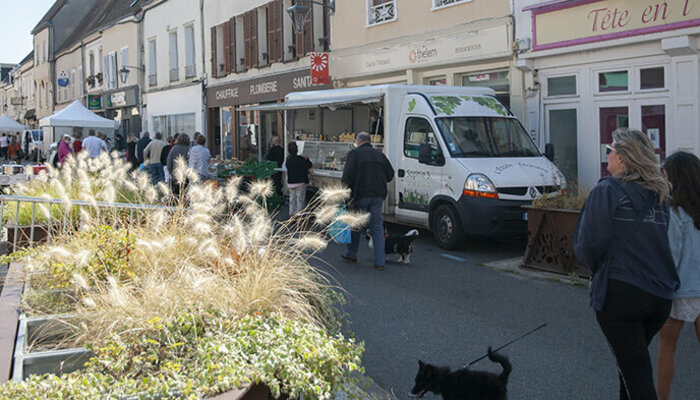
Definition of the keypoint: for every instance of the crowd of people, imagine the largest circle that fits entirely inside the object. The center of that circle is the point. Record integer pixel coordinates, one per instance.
(11, 147)
(639, 235)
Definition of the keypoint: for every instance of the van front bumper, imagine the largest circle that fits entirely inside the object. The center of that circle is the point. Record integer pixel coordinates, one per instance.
(492, 217)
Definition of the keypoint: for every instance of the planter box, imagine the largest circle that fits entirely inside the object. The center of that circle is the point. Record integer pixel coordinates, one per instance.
(550, 244)
(23, 233)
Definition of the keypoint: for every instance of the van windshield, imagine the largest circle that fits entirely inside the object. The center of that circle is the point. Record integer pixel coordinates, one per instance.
(486, 137)
(38, 135)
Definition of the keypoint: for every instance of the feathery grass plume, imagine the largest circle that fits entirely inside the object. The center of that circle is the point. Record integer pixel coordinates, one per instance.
(180, 166)
(151, 194)
(142, 180)
(164, 189)
(261, 189)
(326, 214)
(354, 219)
(79, 281)
(158, 218)
(59, 253)
(89, 303)
(232, 188)
(334, 194)
(117, 295)
(82, 258)
(311, 242)
(192, 175)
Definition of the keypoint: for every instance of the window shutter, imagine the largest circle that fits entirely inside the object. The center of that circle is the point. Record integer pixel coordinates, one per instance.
(274, 31)
(213, 52)
(227, 48)
(232, 42)
(254, 38)
(247, 39)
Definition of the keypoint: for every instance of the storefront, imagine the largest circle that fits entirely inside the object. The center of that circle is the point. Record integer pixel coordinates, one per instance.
(244, 134)
(123, 105)
(626, 64)
(473, 54)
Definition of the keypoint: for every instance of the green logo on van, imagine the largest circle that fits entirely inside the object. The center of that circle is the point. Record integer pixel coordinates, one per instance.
(411, 105)
(447, 104)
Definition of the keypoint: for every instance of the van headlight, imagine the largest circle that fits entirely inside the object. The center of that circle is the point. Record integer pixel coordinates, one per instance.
(478, 185)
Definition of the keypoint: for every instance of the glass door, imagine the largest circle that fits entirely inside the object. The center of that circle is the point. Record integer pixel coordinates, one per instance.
(654, 125)
(562, 133)
(610, 118)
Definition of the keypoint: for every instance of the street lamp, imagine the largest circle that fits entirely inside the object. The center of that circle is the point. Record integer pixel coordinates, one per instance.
(124, 72)
(298, 12)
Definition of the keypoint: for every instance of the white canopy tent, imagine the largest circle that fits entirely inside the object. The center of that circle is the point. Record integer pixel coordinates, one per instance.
(7, 124)
(76, 115)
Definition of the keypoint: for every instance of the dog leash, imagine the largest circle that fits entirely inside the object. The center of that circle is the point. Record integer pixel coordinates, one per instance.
(507, 344)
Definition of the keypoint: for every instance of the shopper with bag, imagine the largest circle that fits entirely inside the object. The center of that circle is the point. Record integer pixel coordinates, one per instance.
(367, 172)
(621, 237)
(297, 178)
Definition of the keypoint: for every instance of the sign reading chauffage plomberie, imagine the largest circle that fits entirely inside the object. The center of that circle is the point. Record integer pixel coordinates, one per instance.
(271, 88)
(569, 23)
(474, 44)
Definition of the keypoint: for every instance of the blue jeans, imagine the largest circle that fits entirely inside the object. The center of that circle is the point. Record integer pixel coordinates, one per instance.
(376, 229)
(156, 171)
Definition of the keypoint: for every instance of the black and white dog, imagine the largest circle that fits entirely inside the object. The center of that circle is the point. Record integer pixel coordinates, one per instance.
(397, 244)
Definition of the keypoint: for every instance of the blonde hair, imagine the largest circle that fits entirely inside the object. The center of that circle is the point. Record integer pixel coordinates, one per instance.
(641, 164)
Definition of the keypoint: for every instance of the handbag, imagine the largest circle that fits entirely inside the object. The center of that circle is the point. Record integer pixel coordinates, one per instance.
(338, 230)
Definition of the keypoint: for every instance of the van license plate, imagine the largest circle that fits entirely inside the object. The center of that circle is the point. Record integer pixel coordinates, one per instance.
(525, 216)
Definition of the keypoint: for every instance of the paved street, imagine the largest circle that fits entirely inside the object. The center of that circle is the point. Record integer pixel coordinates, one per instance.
(447, 307)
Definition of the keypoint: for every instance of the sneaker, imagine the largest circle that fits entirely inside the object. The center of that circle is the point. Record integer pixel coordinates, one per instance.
(347, 258)
(379, 267)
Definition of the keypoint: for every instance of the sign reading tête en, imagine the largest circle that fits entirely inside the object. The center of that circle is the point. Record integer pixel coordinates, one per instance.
(584, 21)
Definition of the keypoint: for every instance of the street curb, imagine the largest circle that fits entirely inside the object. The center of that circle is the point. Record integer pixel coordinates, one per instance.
(513, 266)
(367, 388)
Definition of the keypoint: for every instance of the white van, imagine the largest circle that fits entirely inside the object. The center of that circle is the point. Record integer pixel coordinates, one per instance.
(464, 163)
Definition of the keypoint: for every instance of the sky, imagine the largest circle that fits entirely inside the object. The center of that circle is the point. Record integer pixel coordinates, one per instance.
(17, 19)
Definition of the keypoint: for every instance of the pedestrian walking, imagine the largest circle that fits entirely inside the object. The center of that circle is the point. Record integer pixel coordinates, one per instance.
(151, 158)
(169, 143)
(297, 178)
(64, 149)
(141, 145)
(276, 154)
(683, 172)
(131, 152)
(199, 156)
(77, 143)
(94, 145)
(621, 237)
(4, 144)
(14, 150)
(179, 150)
(366, 173)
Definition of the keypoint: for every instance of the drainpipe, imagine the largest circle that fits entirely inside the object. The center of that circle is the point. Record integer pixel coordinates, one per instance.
(204, 113)
(82, 73)
(52, 65)
(139, 62)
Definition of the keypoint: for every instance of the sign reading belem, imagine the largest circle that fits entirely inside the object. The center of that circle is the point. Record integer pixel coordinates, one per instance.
(577, 22)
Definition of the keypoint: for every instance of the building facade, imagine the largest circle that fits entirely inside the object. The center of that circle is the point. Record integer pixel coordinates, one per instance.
(431, 42)
(595, 66)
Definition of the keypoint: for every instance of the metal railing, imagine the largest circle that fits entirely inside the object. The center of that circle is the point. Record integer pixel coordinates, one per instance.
(52, 225)
(382, 13)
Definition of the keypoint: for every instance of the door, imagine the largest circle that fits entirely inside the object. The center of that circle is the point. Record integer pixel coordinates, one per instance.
(562, 132)
(610, 117)
(418, 182)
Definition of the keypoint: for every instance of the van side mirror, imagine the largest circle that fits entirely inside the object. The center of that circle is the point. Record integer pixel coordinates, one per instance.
(549, 151)
(426, 156)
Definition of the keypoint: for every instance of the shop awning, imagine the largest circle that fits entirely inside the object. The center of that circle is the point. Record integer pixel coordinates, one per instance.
(301, 101)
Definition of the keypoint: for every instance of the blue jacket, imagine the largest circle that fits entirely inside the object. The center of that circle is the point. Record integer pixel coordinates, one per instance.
(609, 244)
(685, 248)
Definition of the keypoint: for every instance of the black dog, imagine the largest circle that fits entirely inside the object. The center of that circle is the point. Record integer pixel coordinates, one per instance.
(398, 244)
(463, 384)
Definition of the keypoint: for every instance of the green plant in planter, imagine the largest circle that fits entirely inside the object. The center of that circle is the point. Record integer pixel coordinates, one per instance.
(568, 200)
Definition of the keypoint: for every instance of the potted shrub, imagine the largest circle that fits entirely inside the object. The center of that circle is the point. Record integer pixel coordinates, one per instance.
(551, 224)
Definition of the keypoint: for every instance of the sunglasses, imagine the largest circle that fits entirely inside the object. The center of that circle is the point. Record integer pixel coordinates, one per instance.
(609, 149)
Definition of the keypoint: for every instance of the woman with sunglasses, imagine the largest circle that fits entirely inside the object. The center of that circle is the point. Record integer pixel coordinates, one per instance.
(683, 171)
(621, 237)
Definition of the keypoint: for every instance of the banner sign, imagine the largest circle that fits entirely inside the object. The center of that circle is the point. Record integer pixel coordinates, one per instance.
(568, 23)
(94, 102)
(319, 69)
(63, 79)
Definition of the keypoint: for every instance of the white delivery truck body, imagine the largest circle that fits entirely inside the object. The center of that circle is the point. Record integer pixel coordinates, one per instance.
(464, 164)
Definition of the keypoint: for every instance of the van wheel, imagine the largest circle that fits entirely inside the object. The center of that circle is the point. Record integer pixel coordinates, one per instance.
(447, 228)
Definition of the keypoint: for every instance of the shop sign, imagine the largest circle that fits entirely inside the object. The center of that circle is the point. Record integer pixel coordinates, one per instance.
(63, 79)
(118, 99)
(94, 102)
(475, 44)
(260, 90)
(577, 22)
(16, 101)
(319, 69)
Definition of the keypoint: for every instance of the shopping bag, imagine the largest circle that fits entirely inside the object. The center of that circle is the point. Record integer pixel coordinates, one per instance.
(338, 230)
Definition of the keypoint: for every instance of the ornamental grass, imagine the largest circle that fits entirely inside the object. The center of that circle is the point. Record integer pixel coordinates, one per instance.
(184, 277)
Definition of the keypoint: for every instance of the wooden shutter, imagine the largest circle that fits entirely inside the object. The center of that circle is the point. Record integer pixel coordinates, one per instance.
(232, 43)
(275, 43)
(247, 39)
(213, 52)
(254, 38)
(305, 42)
(227, 49)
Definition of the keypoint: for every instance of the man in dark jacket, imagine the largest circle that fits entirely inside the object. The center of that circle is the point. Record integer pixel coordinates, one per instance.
(141, 145)
(276, 154)
(366, 172)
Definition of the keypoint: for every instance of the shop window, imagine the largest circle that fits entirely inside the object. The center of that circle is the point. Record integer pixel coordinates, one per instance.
(169, 125)
(380, 11)
(418, 130)
(614, 81)
(561, 86)
(446, 3)
(436, 81)
(651, 78)
(498, 81)
(190, 70)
